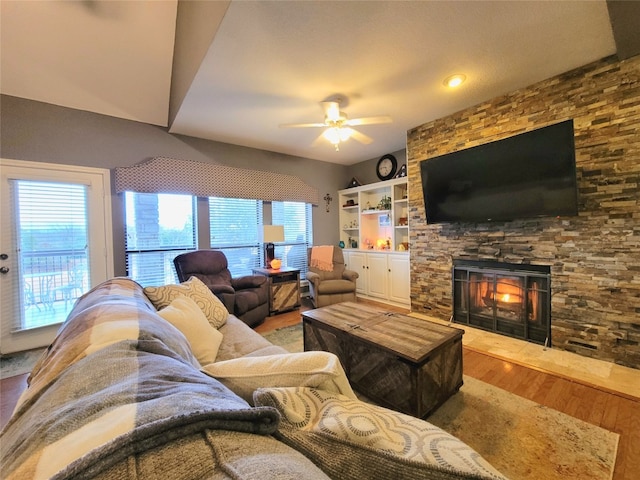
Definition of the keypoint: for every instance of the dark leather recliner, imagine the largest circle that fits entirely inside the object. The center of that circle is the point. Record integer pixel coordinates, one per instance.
(245, 297)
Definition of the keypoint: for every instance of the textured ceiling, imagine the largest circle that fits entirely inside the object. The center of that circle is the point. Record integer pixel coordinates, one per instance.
(243, 68)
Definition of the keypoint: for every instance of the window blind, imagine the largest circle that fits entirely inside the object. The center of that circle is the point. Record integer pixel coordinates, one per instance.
(235, 225)
(296, 218)
(52, 238)
(158, 227)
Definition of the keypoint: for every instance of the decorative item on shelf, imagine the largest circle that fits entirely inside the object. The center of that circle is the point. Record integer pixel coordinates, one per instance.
(383, 244)
(354, 243)
(354, 183)
(402, 172)
(403, 221)
(401, 248)
(386, 167)
(276, 263)
(385, 203)
(341, 243)
(270, 234)
(350, 203)
(384, 220)
(327, 198)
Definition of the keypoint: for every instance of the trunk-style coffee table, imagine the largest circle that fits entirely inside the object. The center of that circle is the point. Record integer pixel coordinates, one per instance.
(397, 361)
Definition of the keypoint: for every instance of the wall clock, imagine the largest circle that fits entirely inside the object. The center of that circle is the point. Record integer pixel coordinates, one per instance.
(386, 167)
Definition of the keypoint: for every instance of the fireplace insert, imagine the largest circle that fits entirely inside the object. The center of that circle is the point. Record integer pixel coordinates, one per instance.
(505, 298)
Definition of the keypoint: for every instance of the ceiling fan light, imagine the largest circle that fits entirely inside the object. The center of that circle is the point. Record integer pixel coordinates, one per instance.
(333, 135)
(345, 133)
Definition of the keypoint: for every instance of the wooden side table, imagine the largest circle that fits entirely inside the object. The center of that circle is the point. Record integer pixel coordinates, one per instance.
(284, 288)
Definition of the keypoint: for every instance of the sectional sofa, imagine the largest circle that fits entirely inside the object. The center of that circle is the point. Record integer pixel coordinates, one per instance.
(163, 383)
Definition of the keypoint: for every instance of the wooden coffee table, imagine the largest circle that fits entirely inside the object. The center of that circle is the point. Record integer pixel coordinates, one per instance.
(397, 361)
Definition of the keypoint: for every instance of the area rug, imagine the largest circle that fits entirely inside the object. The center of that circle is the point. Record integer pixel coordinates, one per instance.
(289, 338)
(18, 363)
(522, 439)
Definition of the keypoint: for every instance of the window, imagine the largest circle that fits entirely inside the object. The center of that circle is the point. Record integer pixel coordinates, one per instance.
(56, 245)
(52, 237)
(296, 218)
(235, 228)
(161, 226)
(158, 228)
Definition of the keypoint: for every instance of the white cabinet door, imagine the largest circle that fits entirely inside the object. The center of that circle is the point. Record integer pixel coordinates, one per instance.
(377, 273)
(358, 263)
(399, 278)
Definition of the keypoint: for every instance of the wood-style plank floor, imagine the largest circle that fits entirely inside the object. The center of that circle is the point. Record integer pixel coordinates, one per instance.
(607, 410)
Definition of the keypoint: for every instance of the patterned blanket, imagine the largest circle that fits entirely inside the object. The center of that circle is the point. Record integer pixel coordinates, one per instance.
(117, 381)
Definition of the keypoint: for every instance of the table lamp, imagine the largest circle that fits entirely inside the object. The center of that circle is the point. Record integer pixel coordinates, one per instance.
(271, 233)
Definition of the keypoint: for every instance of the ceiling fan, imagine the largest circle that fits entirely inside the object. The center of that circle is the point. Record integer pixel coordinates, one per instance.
(338, 125)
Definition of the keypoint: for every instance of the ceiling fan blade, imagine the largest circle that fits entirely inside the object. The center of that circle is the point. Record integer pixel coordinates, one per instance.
(360, 137)
(369, 120)
(331, 110)
(301, 125)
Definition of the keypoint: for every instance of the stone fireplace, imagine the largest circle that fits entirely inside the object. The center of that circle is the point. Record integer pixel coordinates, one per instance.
(504, 298)
(594, 257)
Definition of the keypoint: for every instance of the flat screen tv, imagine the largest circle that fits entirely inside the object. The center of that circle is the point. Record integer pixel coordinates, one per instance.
(528, 175)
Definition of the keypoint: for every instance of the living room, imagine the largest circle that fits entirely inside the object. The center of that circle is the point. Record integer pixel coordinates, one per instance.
(593, 257)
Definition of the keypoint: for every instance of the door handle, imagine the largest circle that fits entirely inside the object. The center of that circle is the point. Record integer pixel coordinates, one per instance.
(4, 270)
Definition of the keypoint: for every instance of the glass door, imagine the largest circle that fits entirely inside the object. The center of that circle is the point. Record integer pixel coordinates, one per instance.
(53, 247)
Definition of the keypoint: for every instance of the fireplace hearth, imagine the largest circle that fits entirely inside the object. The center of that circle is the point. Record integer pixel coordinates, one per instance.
(505, 298)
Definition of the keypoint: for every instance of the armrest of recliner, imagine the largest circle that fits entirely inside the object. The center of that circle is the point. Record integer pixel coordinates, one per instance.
(313, 277)
(221, 288)
(350, 275)
(248, 281)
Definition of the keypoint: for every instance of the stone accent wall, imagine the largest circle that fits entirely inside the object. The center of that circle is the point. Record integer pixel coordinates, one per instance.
(594, 257)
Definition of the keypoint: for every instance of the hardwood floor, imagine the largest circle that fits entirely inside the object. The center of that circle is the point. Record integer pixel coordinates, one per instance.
(607, 410)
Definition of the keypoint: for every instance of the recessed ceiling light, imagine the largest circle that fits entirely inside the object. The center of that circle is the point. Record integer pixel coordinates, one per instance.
(454, 81)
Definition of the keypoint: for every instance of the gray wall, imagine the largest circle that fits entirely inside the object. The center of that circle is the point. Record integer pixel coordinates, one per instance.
(365, 171)
(41, 132)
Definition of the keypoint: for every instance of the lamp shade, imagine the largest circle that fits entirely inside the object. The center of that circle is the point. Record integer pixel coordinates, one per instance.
(273, 233)
(270, 234)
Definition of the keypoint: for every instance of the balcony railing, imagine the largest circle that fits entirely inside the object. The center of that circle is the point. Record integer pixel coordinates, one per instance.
(52, 281)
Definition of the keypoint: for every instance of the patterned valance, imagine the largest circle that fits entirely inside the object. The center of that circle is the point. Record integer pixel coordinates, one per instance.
(168, 175)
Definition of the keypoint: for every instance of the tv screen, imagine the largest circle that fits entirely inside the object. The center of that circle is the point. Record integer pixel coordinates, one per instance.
(528, 175)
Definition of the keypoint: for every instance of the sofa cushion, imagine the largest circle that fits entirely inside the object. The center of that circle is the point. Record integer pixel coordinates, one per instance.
(350, 439)
(310, 369)
(184, 314)
(240, 340)
(328, 287)
(211, 306)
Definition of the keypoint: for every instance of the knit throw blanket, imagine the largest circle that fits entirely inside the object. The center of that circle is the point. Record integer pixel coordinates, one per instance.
(117, 380)
(322, 257)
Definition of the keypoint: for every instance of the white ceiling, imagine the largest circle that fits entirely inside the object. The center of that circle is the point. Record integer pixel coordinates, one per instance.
(272, 62)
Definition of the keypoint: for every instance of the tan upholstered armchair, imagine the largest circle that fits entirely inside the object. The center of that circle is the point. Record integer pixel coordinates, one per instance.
(246, 297)
(338, 285)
